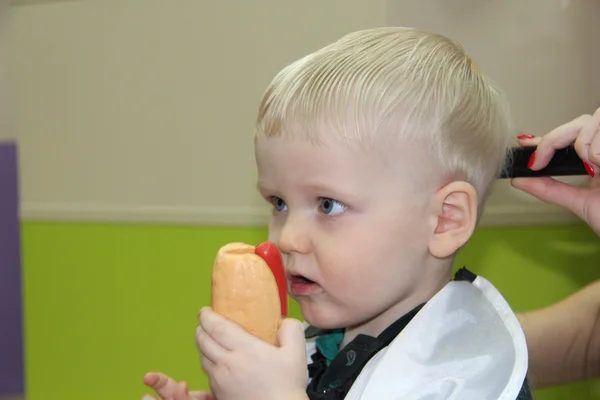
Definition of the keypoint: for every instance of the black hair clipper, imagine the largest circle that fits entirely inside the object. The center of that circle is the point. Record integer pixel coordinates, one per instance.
(565, 162)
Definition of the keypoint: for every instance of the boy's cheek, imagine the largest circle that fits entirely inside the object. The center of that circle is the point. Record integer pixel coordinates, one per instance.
(273, 234)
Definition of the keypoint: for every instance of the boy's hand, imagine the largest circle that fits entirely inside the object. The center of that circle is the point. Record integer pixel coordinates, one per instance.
(242, 366)
(168, 389)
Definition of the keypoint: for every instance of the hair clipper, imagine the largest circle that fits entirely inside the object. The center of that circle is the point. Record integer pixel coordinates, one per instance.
(565, 162)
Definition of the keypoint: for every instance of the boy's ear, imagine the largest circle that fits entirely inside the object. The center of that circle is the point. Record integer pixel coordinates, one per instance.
(454, 218)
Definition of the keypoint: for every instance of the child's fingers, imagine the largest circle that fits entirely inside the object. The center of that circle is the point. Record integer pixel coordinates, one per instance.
(196, 395)
(162, 384)
(159, 381)
(201, 396)
(168, 389)
(181, 391)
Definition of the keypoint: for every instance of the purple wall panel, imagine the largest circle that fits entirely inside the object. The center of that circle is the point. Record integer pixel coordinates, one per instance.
(11, 325)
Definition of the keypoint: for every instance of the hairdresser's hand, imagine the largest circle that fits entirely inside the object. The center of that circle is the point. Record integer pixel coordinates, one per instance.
(584, 132)
(242, 366)
(167, 389)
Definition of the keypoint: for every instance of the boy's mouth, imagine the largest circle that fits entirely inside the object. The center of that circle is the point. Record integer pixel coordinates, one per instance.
(302, 286)
(299, 279)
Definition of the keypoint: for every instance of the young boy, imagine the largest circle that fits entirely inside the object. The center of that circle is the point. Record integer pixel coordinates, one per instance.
(377, 153)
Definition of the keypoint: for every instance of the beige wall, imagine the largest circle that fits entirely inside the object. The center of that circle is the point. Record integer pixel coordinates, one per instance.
(7, 128)
(98, 79)
(543, 53)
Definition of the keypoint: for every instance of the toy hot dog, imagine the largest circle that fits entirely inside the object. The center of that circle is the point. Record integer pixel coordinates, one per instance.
(249, 287)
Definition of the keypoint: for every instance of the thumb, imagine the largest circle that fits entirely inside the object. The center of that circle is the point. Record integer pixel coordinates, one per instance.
(551, 191)
(291, 334)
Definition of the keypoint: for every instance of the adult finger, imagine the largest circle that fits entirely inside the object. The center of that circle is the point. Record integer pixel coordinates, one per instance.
(584, 141)
(526, 140)
(558, 138)
(595, 152)
(552, 191)
(594, 149)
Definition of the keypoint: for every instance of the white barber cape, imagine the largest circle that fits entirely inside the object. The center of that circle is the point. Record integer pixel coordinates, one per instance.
(464, 344)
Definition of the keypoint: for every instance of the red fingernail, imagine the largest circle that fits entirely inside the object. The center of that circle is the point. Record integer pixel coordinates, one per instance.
(525, 137)
(589, 169)
(531, 160)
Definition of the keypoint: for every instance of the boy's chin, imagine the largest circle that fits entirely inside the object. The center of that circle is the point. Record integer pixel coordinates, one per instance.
(326, 326)
(322, 320)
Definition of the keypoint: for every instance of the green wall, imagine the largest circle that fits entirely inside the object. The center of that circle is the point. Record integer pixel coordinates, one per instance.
(106, 303)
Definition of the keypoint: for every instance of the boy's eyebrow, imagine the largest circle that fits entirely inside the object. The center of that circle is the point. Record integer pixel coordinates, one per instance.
(317, 187)
(260, 185)
(312, 187)
(330, 191)
(326, 189)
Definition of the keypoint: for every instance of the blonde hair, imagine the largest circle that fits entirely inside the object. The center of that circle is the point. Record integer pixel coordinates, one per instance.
(421, 86)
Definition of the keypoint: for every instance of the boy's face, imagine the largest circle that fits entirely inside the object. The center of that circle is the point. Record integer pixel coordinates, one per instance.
(353, 236)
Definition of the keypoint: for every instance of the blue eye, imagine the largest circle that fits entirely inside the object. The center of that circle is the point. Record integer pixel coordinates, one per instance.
(278, 204)
(332, 207)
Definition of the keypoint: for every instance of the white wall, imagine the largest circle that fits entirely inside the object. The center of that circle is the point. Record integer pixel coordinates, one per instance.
(142, 110)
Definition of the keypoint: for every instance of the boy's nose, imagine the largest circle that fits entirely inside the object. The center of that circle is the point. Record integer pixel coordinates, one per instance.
(293, 236)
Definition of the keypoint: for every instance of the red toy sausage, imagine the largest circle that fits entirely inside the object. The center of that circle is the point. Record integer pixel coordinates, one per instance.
(269, 252)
